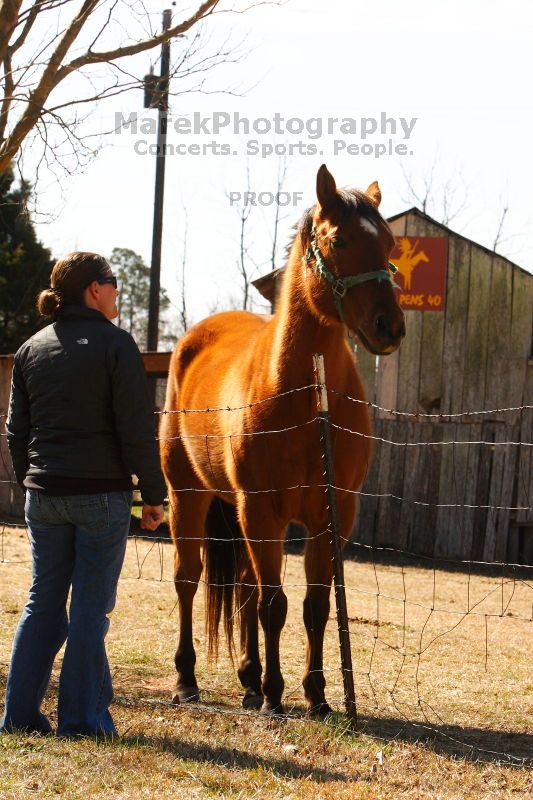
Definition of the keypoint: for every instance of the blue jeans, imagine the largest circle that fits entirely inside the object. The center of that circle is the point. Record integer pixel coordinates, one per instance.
(77, 541)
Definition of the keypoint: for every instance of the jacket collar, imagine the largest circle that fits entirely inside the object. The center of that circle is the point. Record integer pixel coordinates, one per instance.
(80, 312)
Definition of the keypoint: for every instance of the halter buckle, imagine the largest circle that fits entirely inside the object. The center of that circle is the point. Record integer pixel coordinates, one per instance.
(339, 289)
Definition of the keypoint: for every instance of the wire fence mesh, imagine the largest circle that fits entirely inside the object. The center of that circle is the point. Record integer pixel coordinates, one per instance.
(440, 647)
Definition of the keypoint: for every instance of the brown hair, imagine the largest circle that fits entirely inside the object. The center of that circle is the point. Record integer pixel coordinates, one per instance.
(69, 279)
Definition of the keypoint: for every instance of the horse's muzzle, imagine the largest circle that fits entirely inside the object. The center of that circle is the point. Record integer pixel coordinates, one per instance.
(389, 330)
(385, 336)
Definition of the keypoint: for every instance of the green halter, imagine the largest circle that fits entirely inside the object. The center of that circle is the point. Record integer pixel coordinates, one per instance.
(341, 285)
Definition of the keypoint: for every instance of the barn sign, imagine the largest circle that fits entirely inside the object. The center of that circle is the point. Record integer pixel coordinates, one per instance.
(421, 262)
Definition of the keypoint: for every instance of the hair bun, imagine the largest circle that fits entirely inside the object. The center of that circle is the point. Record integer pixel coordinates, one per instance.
(49, 302)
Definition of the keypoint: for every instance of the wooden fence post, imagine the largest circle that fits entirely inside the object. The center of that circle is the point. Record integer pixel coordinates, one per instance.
(338, 566)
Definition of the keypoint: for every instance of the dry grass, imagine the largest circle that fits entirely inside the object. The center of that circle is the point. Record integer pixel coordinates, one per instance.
(470, 691)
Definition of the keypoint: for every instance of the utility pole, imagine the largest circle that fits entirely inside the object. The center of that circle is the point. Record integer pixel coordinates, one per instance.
(156, 96)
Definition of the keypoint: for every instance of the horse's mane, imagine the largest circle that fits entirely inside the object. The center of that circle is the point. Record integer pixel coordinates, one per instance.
(350, 200)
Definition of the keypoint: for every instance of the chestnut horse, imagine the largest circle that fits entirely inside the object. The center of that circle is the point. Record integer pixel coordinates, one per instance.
(231, 472)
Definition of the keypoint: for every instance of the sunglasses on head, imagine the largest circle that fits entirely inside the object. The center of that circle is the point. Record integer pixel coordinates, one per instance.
(108, 279)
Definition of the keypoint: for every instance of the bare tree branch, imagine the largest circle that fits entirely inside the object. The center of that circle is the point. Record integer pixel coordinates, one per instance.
(282, 175)
(104, 26)
(498, 237)
(139, 47)
(30, 20)
(440, 200)
(9, 12)
(49, 80)
(8, 95)
(184, 320)
(422, 196)
(33, 76)
(244, 213)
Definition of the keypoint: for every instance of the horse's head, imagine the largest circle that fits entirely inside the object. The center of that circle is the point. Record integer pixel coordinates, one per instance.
(347, 245)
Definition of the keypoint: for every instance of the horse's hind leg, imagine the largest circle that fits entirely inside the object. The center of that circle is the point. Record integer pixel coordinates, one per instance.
(249, 670)
(318, 571)
(188, 511)
(267, 555)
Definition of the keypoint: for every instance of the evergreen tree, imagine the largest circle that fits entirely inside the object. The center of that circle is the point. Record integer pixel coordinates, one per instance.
(134, 293)
(25, 266)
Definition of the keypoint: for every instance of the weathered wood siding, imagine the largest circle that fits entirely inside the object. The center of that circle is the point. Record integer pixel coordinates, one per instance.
(474, 356)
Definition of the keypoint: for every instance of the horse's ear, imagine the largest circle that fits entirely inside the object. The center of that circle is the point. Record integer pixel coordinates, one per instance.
(374, 194)
(326, 189)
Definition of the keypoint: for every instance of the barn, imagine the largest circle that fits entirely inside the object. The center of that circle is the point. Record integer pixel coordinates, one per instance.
(449, 479)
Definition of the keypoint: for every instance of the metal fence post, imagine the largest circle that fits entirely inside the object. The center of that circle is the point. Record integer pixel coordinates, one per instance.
(338, 566)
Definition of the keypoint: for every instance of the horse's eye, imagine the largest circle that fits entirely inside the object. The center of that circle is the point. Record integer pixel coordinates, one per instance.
(338, 241)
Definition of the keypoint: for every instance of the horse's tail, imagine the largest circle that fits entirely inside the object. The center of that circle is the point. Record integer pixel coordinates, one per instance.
(225, 556)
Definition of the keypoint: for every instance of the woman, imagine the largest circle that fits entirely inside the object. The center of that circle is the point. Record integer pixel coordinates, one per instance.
(80, 423)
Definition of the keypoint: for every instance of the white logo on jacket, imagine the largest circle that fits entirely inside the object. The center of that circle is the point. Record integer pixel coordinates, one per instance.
(82, 341)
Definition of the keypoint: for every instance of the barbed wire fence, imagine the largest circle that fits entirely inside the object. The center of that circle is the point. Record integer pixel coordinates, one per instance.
(400, 598)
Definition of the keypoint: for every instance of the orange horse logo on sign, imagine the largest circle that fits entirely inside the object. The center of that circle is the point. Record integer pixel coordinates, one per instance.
(421, 274)
(409, 259)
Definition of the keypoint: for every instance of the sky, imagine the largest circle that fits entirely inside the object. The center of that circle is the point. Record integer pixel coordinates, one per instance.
(448, 80)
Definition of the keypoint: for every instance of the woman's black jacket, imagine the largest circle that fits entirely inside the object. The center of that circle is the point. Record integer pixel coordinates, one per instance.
(80, 405)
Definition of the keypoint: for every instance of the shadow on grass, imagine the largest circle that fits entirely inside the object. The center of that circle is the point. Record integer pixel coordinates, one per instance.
(391, 557)
(233, 758)
(468, 743)
(473, 744)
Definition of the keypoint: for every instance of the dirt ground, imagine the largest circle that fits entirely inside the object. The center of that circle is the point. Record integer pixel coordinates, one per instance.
(442, 664)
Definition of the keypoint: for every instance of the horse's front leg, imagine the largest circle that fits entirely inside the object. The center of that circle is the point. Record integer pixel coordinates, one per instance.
(319, 574)
(187, 515)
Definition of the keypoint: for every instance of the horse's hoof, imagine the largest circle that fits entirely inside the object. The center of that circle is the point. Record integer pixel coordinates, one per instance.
(186, 694)
(268, 709)
(320, 710)
(252, 701)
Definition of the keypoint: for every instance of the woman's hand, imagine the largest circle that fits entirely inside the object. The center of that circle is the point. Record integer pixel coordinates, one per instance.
(152, 517)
